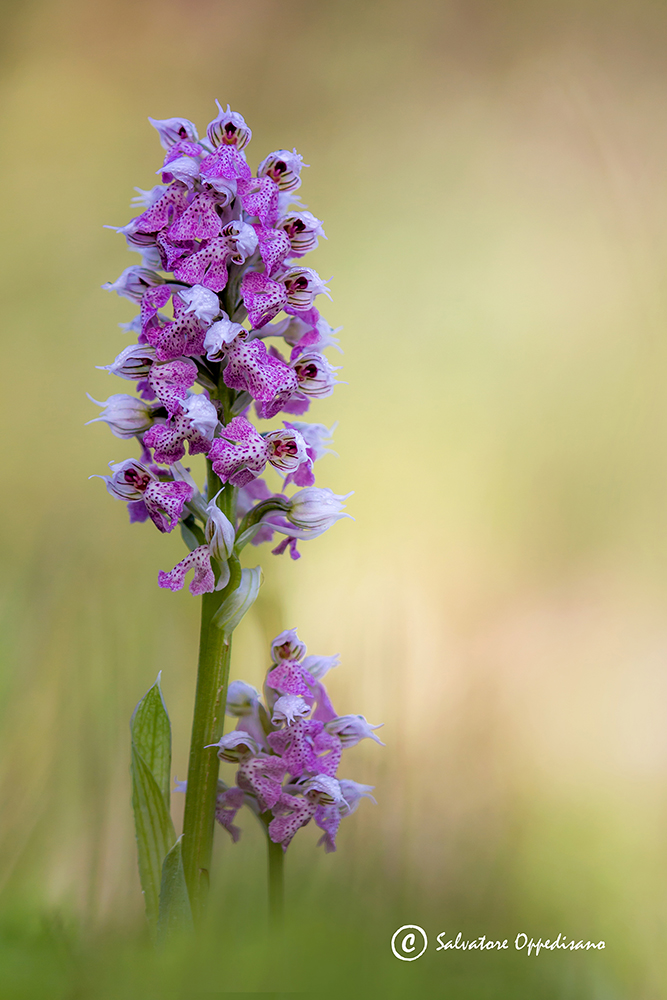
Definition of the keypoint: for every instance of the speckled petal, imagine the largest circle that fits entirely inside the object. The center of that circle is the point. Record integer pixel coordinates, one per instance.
(199, 221)
(263, 297)
(203, 581)
(165, 502)
(240, 449)
(290, 814)
(170, 383)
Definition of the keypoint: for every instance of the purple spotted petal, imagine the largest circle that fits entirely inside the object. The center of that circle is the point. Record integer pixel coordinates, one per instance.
(263, 297)
(207, 267)
(240, 455)
(290, 814)
(295, 745)
(199, 221)
(203, 581)
(328, 819)
(329, 750)
(259, 198)
(274, 246)
(227, 161)
(262, 775)
(165, 502)
(251, 368)
(170, 383)
(138, 511)
(182, 336)
(227, 804)
(165, 210)
(289, 677)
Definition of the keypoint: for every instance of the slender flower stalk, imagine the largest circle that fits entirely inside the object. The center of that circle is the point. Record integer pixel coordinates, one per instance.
(202, 782)
(219, 288)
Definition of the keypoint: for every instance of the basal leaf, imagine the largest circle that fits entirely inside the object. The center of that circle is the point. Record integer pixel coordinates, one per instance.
(174, 912)
(154, 830)
(151, 776)
(151, 735)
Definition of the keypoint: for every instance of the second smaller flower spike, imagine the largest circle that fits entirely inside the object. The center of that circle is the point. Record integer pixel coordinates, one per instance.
(288, 767)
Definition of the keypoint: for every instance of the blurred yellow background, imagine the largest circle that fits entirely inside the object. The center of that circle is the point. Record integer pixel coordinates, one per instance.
(492, 182)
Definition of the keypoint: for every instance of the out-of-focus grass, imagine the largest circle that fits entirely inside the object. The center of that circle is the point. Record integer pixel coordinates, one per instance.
(491, 180)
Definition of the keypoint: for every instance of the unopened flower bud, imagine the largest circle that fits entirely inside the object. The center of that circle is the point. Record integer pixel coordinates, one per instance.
(173, 130)
(125, 415)
(133, 282)
(315, 508)
(242, 699)
(132, 363)
(351, 729)
(220, 533)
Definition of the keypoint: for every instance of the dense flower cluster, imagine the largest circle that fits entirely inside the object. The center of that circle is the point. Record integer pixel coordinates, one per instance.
(221, 253)
(288, 748)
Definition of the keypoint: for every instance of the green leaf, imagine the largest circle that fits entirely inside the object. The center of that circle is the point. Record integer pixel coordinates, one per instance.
(175, 912)
(234, 607)
(151, 767)
(151, 735)
(154, 830)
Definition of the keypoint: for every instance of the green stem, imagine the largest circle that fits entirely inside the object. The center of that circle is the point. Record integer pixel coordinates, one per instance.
(207, 725)
(276, 884)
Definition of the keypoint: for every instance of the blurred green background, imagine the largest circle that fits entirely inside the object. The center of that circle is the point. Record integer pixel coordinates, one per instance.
(492, 180)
